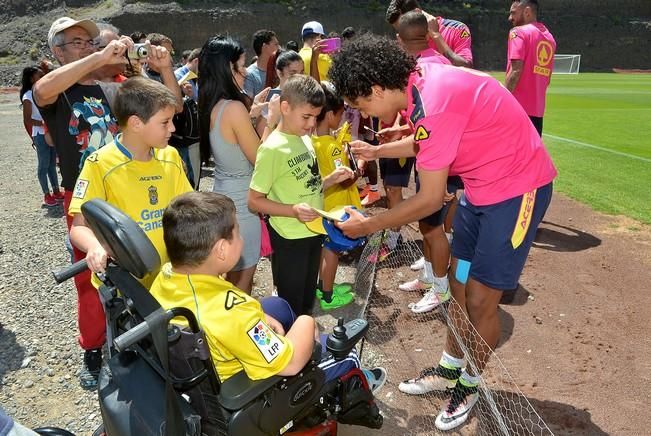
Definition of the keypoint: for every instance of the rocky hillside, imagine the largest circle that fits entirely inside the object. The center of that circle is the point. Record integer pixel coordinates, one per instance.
(607, 33)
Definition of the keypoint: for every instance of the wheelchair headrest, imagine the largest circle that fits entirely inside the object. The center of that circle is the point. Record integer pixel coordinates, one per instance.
(121, 237)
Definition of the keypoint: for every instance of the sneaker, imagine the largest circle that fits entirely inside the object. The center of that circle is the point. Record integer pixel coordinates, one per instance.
(337, 289)
(342, 288)
(415, 285)
(431, 379)
(49, 201)
(58, 196)
(456, 411)
(364, 192)
(418, 265)
(376, 378)
(430, 301)
(380, 255)
(371, 198)
(90, 371)
(338, 300)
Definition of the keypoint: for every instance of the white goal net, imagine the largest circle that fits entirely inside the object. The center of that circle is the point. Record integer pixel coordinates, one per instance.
(567, 63)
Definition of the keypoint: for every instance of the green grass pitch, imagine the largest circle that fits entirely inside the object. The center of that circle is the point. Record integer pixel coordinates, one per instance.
(597, 127)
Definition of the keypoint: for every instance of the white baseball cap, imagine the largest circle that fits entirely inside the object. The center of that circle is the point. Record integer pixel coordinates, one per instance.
(312, 27)
(64, 23)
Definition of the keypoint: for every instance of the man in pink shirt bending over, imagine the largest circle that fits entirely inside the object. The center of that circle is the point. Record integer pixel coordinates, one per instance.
(465, 123)
(530, 59)
(451, 38)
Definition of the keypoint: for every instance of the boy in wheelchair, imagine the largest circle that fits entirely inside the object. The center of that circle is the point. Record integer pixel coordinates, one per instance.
(264, 338)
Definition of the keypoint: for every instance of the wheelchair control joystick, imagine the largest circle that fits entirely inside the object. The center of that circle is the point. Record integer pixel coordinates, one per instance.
(339, 332)
(345, 336)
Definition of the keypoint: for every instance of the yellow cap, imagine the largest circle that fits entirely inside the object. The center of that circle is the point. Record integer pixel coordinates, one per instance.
(316, 226)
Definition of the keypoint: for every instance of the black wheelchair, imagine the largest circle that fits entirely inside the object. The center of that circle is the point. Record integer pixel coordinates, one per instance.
(159, 378)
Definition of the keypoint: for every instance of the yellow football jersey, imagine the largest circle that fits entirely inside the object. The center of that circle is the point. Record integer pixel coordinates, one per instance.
(234, 323)
(142, 190)
(330, 155)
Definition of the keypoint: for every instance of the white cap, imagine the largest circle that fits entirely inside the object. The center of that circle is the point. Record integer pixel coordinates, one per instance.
(312, 27)
(64, 23)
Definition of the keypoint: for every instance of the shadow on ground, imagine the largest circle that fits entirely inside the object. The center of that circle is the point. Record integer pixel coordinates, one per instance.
(11, 353)
(556, 237)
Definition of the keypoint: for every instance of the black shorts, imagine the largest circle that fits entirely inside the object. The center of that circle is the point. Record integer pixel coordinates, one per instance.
(537, 123)
(438, 218)
(396, 171)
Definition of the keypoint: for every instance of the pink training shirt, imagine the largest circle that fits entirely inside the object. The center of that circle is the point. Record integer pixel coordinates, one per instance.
(456, 35)
(431, 55)
(535, 46)
(466, 120)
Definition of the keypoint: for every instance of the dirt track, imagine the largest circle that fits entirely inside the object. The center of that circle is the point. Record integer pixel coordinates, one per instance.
(578, 349)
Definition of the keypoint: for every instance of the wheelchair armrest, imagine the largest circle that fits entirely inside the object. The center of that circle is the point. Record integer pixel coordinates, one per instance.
(345, 336)
(240, 390)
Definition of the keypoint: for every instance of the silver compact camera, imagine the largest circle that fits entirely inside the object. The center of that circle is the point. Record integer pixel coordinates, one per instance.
(138, 51)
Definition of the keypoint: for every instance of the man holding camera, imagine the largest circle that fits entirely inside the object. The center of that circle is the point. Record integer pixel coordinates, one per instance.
(76, 109)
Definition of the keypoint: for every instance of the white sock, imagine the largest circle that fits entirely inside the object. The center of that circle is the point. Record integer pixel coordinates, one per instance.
(442, 282)
(468, 379)
(451, 362)
(427, 273)
(392, 239)
(373, 187)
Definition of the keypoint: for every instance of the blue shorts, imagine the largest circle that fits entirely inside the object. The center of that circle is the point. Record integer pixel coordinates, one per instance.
(492, 242)
(395, 174)
(328, 244)
(438, 218)
(280, 309)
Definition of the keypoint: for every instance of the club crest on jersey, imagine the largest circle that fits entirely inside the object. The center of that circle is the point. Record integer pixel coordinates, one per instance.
(418, 112)
(266, 341)
(464, 34)
(153, 195)
(421, 134)
(513, 34)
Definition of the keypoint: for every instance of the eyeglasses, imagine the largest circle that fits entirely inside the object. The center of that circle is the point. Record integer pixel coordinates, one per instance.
(81, 43)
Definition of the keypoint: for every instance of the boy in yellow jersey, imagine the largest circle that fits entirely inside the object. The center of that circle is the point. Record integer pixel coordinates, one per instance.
(138, 172)
(330, 155)
(263, 338)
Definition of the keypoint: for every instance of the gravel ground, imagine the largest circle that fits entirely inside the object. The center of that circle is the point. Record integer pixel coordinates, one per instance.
(39, 354)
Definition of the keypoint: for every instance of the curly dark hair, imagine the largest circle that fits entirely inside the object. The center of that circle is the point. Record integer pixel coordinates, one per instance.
(398, 7)
(370, 60)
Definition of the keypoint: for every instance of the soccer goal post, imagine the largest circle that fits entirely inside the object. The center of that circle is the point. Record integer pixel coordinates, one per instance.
(567, 63)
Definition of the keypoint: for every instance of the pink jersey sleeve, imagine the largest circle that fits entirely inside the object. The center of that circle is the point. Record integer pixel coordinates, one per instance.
(517, 48)
(457, 36)
(438, 137)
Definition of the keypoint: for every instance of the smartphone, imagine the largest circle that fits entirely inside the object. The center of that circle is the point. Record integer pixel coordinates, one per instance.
(351, 158)
(330, 45)
(371, 130)
(273, 92)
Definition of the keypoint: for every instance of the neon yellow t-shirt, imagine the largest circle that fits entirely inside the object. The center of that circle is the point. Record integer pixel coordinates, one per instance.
(234, 323)
(330, 155)
(287, 172)
(142, 190)
(324, 63)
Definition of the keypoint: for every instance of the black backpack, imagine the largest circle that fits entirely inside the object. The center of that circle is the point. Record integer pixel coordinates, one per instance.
(187, 124)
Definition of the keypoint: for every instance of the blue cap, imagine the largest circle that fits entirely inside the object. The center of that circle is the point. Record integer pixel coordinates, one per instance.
(336, 240)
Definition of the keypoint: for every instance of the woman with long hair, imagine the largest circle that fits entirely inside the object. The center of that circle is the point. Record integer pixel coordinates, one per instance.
(36, 129)
(226, 132)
